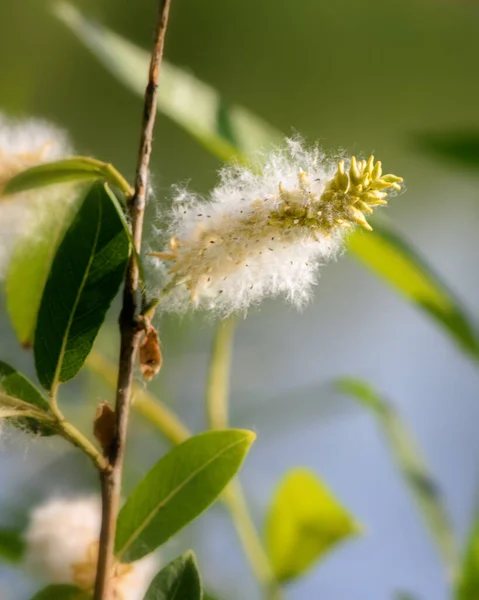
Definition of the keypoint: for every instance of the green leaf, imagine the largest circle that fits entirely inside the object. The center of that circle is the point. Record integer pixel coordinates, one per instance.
(86, 274)
(304, 522)
(62, 592)
(229, 131)
(459, 146)
(412, 466)
(393, 259)
(61, 171)
(179, 580)
(12, 545)
(179, 488)
(31, 262)
(14, 384)
(468, 581)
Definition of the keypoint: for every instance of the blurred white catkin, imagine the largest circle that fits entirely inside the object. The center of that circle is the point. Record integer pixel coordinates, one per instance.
(266, 232)
(62, 547)
(24, 144)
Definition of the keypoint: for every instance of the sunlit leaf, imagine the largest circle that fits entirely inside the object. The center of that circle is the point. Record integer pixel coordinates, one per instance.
(179, 488)
(12, 545)
(395, 261)
(461, 146)
(412, 465)
(78, 168)
(13, 383)
(229, 131)
(62, 592)
(304, 522)
(179, 580)
(86, 274)
(31, 262)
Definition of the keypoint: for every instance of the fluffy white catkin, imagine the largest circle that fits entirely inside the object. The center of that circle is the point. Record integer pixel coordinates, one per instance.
(62, 547)
(266, 232)
(24, 144)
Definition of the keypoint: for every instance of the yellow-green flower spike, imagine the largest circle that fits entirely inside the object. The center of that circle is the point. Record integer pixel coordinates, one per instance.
(358, 190)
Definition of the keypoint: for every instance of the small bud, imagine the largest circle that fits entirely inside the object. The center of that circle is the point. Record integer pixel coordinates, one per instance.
(151, 358)
(104, 427)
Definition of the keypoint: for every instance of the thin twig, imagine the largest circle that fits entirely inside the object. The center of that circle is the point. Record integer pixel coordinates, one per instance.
(129, 330)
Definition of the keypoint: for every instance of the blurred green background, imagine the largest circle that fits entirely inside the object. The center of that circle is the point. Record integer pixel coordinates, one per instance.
(368, 77)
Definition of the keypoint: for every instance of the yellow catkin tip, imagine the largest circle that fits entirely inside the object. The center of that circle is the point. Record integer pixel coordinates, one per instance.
(354, 171)
(377, 171)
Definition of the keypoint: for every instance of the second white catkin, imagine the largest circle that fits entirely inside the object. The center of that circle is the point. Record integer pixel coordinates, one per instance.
(62, 547)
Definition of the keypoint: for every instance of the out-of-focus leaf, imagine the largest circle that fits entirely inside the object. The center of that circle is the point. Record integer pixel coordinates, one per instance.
(78, 168)
(85, 276)
(232, 132)
(179, 580)
(62, 592)
(16, 385)
(178, 489)
(412, 465)
(394, 260)
(31, 262)
(304, 522)
(468, 580)
(461, 147)
(12, 545)
(229, 131)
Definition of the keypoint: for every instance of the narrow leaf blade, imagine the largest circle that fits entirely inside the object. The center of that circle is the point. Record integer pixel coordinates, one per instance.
(412, 466)
(393, 259)
(304, 522)
(85, 276)
(468, 581)
(178, 489)
(228, 131)
(61, 171)
(179, 580)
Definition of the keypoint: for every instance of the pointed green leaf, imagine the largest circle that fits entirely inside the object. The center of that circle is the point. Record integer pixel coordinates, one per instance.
(61, 171)
(14, 384)
(31, 262)
(179, 580)
(179, 488)
(62, 592)
(394, 260)
(229, 131)
(304, 522)
(468, 581)
(12, 545)
(412, 465)
(86, 274)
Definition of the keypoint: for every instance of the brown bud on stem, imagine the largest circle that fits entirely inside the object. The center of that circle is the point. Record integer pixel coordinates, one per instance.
(151, 358)
(104, 427)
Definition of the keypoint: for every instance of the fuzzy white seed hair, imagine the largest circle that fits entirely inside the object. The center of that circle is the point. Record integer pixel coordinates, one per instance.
(264, 232)
(24, 144)
(62, 547)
